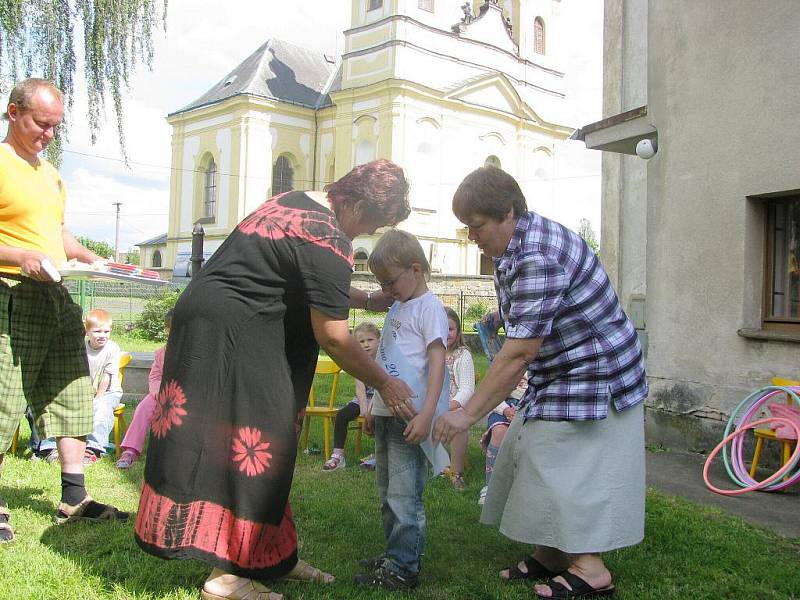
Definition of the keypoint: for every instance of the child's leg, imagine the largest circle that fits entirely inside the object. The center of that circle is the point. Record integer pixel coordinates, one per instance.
(343, 417)
(382, 472)
(497, 434)
(406, 481)
(140, 425)
(458, 449)
(102, 421)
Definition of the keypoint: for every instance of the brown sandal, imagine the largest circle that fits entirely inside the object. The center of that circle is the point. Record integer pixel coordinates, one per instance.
(6, 531)
(88, 510)
(303, 571)
(245, 589)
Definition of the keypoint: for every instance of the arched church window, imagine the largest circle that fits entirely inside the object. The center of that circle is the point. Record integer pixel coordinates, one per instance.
(374, 4)
(360, 261)
(492, 161)
(282, 175)
(538, 35)
(210, 189)
(156, 260)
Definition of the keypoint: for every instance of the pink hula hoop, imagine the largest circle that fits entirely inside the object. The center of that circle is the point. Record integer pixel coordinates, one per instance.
(759, 484)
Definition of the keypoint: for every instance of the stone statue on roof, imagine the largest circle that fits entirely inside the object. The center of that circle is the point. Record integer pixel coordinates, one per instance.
(467, 8)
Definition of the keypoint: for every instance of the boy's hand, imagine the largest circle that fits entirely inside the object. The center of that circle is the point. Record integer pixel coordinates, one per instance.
(369, 425)
(454, 405)
(418, 428)
(509, 412)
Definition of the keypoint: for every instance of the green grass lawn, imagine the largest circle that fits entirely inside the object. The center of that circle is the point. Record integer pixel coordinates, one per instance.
(689, 552)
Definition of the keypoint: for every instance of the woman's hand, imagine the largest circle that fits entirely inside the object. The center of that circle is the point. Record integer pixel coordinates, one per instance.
(509, 412)
(418, 429)
(454, 405)
(380, 301)
(396, 395)
(450, 424)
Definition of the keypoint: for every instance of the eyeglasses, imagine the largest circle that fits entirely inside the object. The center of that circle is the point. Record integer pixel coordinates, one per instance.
(390, 282)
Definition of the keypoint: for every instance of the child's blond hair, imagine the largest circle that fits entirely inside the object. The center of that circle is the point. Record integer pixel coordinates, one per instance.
(96, 318)
(367, 327)
(397, 248)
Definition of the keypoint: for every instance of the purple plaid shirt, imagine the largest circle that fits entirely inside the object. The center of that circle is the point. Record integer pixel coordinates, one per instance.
(551, 285)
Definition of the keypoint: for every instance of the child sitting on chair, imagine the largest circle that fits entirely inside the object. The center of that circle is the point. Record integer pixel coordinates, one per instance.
(367, 335)
(133, 442)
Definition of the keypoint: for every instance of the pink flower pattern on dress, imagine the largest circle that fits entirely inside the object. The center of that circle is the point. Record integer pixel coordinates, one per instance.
(168, 409)
(251, 452)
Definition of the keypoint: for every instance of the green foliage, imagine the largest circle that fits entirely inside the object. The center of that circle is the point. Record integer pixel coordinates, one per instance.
(37, 38)
(150, 324)
(100, 248)
(587, 233)
(134, 258)
(474, 313)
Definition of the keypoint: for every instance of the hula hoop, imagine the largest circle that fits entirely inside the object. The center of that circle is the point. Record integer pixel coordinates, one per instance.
(735, 466)
(759, 484)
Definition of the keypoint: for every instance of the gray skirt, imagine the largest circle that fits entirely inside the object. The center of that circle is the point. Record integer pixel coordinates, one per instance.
(577, 486)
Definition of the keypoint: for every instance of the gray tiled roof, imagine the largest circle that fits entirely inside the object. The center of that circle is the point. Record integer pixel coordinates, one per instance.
(281, 71)
(159, 239)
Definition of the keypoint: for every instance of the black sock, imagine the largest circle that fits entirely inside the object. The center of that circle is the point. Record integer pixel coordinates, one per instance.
(73, 489)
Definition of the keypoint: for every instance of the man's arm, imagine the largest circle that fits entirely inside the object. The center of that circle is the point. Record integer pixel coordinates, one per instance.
(74, 249)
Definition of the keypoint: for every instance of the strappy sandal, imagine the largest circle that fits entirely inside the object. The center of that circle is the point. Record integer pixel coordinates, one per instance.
(245, 589)
(580, 588)
(6, 531)
(305, 572)
(88, 510)
(334, 463)
(535, 570)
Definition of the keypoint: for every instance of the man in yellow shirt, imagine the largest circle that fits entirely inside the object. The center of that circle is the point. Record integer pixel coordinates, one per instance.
(43, 360)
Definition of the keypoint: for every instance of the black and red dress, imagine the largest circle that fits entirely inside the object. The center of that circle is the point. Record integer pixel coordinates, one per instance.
(237, 372)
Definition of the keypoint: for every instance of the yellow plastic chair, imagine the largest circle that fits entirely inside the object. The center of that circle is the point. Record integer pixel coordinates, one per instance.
(325, 367)
(120, 425)
(769, 434)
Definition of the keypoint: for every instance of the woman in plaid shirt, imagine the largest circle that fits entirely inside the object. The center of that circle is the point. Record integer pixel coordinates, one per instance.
(569, 477)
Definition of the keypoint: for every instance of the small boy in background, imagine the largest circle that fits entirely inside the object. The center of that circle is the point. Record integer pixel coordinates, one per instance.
(103, 356)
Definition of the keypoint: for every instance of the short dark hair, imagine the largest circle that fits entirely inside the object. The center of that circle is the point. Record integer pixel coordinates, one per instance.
(168, 317)
(491, 192)
(376, 191)
(23, 91)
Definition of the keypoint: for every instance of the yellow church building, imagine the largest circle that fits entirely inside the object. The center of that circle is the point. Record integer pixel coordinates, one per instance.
(438, 86)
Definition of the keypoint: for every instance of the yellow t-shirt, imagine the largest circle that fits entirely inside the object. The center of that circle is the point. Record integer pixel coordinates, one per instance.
(31, 207)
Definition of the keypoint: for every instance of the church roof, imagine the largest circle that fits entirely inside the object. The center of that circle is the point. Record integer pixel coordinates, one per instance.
(280, 71)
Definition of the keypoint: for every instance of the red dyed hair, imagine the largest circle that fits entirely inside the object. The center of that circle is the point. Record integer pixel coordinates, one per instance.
(376, 191)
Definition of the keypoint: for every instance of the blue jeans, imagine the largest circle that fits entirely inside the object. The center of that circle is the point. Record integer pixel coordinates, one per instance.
(102, 424)
(401, 470)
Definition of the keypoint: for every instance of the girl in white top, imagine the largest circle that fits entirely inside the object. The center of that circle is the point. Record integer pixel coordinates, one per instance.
(462, 385)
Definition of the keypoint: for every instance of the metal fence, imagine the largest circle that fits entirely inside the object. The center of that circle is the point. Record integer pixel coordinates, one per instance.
(126, 301)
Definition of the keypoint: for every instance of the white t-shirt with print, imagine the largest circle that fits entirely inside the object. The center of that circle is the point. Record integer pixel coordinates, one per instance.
(104, 360)
(416, 324)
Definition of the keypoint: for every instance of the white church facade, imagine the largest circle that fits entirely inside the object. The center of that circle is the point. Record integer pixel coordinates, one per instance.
(437, 86)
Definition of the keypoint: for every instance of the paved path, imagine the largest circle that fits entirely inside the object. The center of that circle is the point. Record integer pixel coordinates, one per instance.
(681, 474)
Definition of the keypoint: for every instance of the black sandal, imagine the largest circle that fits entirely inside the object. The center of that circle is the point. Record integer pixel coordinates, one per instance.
(580, 589)
(6, 532)
(535, 570)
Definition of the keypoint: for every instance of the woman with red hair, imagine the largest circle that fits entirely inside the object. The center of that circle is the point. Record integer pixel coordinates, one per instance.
(239, 364)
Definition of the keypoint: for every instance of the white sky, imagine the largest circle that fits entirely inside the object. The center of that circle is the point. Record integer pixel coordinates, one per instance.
(204, 40)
